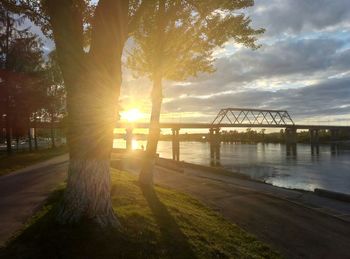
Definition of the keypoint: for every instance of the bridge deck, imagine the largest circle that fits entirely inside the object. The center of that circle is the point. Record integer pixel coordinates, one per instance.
(169, 125)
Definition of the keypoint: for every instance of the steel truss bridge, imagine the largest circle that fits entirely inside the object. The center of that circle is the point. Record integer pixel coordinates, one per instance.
(252, 117)
(243, 118)
(240, 118)
(228, 118)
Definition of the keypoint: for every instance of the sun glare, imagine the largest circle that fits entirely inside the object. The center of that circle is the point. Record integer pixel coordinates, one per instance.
(131, 115)
(134, 144)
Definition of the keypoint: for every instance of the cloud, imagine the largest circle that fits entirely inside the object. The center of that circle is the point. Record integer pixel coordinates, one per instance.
(284, 64)
(298, 16)
(330, 97)
(303, 66)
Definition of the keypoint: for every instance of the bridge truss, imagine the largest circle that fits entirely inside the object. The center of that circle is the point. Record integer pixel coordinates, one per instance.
(253, 117)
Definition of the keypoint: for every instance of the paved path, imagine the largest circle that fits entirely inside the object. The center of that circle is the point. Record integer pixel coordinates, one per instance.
(270, 213)
(23, 191)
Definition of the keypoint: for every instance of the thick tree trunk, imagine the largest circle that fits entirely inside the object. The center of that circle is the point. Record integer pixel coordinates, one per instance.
(8, 137)
(52, 133)
(93, 83)
(91, 119)
(35, 139)
(17, 143)
(30, 141)
(88, 188)
(88, 193)
(146, 174)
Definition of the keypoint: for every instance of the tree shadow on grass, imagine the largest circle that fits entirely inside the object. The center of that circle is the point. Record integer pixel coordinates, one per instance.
(45, 238)
(174, 240)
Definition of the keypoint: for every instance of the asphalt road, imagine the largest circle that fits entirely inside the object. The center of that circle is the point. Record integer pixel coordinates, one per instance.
(24, 191)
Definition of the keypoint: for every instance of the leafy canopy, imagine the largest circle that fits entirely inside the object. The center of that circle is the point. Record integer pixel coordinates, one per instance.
(176, 39)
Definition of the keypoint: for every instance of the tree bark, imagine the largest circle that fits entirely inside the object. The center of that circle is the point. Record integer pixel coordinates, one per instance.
(8, 135)
(29, 141)
(35, 139)
(52, 133)
(146, 174)
(91, 119)
(93, 83)
(17, 143)
(90, 135)
(8, 124)
(88, 193)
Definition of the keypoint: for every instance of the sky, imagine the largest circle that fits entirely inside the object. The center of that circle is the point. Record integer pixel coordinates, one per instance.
(303, 66)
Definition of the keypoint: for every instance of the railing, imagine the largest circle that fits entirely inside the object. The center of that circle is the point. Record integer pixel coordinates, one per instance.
(253, 117)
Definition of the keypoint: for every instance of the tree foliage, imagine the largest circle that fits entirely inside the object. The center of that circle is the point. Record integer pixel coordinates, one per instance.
(21, 82)
(176, 39)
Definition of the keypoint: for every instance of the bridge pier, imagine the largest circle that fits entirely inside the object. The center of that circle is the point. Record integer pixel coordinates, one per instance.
(215, 142)
(334, 149)
(291, 137)
(314, 136)
(334, 134)
(291, 150)
(176, 144)
(291, 141)
(128, 139)
(315, 149)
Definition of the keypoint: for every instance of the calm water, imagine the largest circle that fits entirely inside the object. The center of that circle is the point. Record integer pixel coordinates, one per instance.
(328, 169)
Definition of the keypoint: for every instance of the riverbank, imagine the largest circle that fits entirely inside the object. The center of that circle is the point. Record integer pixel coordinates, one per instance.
(214, 171)
(344, 197)
(16, 161)
(330, 203)
(306, 167)
(157, 223)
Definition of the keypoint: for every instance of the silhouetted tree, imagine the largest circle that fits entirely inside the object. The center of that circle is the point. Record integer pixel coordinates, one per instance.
(176, 40)
(56, 94)
(89, 38)
(21, 60)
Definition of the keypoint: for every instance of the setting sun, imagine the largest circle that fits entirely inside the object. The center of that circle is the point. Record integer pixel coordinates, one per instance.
(131, 115)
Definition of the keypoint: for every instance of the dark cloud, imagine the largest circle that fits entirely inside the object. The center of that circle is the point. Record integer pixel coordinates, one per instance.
(283, 61)
(295, 16)
(331, 97)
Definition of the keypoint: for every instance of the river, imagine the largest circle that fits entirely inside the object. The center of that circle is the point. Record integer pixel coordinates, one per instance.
(328, 168)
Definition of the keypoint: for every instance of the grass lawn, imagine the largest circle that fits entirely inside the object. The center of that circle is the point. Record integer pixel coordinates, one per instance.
(22, 159)
(157, 223)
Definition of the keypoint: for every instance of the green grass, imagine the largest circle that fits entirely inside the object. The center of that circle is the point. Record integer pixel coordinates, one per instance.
(157, 223)
(9, 163)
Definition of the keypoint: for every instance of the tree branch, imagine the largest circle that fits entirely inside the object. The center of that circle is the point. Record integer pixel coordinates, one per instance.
(109, 29)
(135, 19)
(67, 25)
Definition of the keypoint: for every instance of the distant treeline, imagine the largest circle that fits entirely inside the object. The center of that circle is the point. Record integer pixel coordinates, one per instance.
(249, 135)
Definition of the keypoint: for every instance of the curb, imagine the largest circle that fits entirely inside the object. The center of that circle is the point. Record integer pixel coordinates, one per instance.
(219, 170)
(333, 195)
